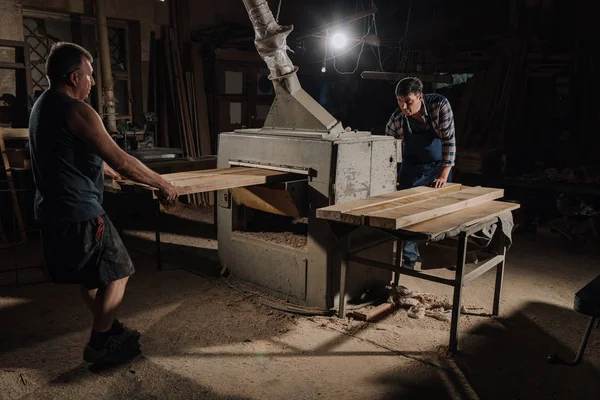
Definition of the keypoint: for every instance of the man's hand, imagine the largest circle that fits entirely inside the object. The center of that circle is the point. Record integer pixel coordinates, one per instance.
(439, 182)
(111, 173)
(168, 193)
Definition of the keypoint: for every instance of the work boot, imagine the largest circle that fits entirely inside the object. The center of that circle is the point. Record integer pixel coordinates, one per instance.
(117, 349)
(409, 264)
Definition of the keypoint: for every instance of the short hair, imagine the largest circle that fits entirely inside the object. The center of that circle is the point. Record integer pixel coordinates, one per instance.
(63, 59)
(409, 85)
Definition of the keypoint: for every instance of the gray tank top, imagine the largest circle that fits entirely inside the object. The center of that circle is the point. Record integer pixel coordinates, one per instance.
(69, 177)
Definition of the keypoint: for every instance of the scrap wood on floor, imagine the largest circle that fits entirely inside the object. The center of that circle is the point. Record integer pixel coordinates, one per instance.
(417, 304)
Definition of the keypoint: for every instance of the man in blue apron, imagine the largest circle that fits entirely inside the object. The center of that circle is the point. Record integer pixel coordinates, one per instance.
(425, 124)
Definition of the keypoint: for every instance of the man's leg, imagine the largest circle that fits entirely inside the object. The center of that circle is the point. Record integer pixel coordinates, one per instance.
(412, 177)
(106, 303)
(110, 340)
(410, 254)
(89, 297)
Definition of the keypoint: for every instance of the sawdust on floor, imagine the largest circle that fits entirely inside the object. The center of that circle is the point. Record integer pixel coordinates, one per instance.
(291, 239)
(203, 339)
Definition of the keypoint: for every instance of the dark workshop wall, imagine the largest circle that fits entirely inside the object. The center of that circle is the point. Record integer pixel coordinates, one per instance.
(145, 16)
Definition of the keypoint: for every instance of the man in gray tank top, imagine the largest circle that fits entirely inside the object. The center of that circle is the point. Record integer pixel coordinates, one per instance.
(70, 152)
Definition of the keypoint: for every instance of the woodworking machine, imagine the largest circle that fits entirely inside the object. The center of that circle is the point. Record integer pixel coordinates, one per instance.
(325, 164)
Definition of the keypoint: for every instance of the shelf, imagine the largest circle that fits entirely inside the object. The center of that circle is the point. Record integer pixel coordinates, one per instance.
(11, 43)
(10, 65)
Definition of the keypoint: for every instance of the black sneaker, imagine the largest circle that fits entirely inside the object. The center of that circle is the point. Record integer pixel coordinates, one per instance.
(129, 331)
(117, 349)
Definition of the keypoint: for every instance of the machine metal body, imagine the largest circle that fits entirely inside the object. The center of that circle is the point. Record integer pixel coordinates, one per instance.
(340, 170)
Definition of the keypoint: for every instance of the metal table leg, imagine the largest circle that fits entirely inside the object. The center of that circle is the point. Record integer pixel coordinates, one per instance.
(398, 261)
(215, 208)
(498, 286)
(344, 252)
(458, 286)
(157, 239)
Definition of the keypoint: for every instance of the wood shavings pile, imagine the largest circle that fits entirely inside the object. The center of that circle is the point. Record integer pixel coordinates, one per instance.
(420, 305)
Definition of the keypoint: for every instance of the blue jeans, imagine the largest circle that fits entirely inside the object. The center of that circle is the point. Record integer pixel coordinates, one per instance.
(420, 176)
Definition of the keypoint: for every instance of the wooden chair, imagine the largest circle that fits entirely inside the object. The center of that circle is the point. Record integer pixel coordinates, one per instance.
(8, 134)
(587, 302)
(13, 159)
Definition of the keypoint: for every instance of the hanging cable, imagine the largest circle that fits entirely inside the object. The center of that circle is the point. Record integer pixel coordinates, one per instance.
(278, 11)
(362, 47)
(357, 63)
(378, 55)
(408, 20)
(337, 55)
(324, 67)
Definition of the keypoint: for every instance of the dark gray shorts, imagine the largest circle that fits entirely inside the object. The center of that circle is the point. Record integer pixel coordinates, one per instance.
(90, 253)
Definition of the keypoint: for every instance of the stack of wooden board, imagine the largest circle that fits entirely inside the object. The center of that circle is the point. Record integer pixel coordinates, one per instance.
(180, 88)
(192, 182)
(412, 209)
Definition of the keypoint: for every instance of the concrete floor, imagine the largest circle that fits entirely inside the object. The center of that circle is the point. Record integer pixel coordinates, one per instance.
(203, 339)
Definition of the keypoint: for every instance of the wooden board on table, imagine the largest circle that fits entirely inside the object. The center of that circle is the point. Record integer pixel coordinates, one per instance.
(358, 216)
(335, 212)
(203, 184)
(191, 182)
(422, 211)
(180, 176)
(461, 219)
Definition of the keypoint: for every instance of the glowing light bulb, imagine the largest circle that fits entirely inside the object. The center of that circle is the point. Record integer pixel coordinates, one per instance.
(339, 40)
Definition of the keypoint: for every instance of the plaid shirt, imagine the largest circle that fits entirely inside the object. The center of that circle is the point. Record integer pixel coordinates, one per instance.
(439, 112)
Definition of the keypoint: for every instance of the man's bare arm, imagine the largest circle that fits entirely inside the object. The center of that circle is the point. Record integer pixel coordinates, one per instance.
(87, 125)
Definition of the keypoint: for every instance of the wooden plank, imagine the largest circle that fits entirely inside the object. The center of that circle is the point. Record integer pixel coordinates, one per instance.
(10, 43)
(187, 175)
(461, 219)
(212, 183)
(175, 101)
(334, 212)
(161, 94)
(357, 217)
(207, 172)
(225, 178)
(437, 207)
(201, 103)
(11, 65)
(15, 133)
(171, 177)
(271, 200)
(372, 314)
(223, 175)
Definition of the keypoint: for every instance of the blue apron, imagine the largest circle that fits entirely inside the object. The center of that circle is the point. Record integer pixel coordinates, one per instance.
(421, 165)
(421, 156)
